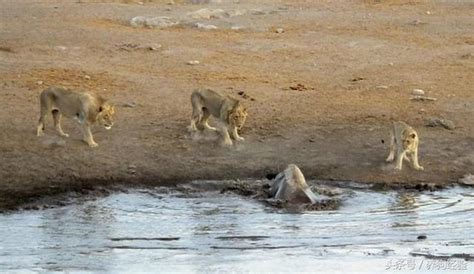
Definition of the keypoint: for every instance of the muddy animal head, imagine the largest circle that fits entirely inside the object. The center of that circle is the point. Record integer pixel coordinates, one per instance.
(105, 116)
(409, 139)
(238, 115)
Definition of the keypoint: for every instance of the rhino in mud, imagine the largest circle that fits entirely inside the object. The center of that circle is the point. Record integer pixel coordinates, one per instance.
(290, 186)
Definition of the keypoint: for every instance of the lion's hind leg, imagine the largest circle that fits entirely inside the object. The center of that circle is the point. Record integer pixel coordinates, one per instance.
(391, 155)
(45, 107)
(57, 122)
(204, 120)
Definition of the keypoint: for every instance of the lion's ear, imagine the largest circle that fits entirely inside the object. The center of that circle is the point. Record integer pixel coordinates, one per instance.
(413, 135)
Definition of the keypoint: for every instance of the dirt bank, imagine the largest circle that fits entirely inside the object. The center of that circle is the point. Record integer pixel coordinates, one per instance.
(323, 80)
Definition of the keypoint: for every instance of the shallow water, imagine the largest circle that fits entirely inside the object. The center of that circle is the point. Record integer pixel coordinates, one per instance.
(150, 231)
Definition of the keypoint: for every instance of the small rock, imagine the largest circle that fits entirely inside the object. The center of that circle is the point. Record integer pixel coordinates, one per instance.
(153, 47)
(61, 48)
(382, 87)
(422, 98)
(356, 79)
(39, 83)
(235, 13)
(418, 91)
(436, 122)
(205, 26)
(152, 22)
(130, 105)
(279, 30)
(422, 237)
(416, 22)
(428, 12)
(236, 28)
(207, 14)
(87, 77)
(468, 179)
(193, 62)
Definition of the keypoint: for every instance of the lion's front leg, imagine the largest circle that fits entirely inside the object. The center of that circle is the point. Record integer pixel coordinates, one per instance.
(399, 160)
(87, 136)
(235, 134)
(224, 131)
(414, 160)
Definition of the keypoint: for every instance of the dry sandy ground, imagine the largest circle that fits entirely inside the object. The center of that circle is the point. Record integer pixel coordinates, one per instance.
(356, 63)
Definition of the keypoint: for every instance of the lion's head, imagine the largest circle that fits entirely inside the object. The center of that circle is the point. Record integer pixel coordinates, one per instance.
(237, 116)
(105, 116)
(409, 139)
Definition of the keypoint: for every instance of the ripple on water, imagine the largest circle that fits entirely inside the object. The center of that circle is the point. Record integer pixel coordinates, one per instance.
(211, 232)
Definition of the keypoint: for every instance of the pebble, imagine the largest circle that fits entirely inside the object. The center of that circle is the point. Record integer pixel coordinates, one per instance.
(422, 98)
(39, 83)
(152, 22)
(207, 14)
(87, 77)
(130, 105)
(193, 62)
(418, 91)
(436, 122)
(279, 30)
(422, 237)
(205, 26)
(382, 87)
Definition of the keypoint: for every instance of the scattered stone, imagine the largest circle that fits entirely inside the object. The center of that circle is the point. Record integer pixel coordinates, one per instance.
(440, 122)
(132, 169)
(422, 237)
(207, 14)
(279, 30)
(132, 47)
(422, 98)
(300, 87)
(39, 83)
(234, 13)
(205, 26)
(87, 77)
(244, 95)
(356, 79)
(418, 92)
(237, 28)
(61, 48)
(468, 179)
(382, 87)
(152, 22)
(193, 62)
(416, 22)
(130, 105)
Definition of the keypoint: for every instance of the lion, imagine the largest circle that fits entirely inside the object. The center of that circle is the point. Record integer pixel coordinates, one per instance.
(86, 107)
(229, 112)
(403, 142)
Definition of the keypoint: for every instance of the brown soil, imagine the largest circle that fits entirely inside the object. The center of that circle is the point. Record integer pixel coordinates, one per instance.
(313, 91)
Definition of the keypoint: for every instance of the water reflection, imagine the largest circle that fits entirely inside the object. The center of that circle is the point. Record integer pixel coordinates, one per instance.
(212, 232)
